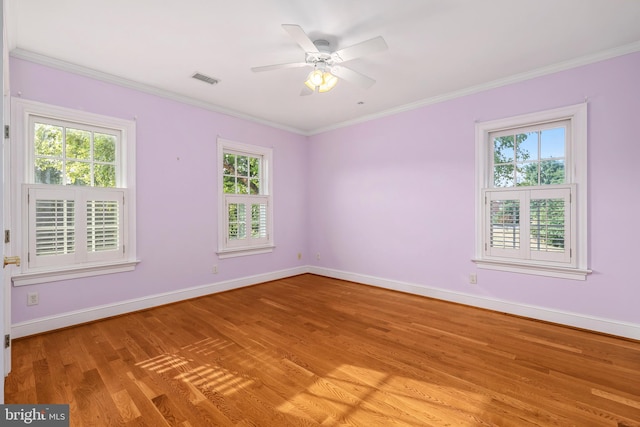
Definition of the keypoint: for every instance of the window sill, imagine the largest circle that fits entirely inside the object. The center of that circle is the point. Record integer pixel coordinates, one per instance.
(45, 276)
(232, 253)
(535, 269)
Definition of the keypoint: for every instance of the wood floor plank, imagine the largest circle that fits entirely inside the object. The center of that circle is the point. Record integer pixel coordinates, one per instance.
(315, 351)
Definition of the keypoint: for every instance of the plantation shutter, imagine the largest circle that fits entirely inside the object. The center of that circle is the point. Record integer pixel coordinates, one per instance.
(550, 225)
(71, 225)
(52, 220)
(505, 229)
(247, 220)
(530, 224)
(104, 228)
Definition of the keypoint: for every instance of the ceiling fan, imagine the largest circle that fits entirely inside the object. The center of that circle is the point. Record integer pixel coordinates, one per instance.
(327, 64)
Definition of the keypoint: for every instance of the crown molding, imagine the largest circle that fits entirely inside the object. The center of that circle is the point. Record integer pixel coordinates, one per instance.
(131, 84)
(516, 78)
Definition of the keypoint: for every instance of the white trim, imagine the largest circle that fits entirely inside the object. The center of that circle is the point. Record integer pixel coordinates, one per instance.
(232, 253)
(131, 84)
(591, 323)
(35, 277)
(538, 270)
(5, 290)
(63, 320)
(516, 78)
(577, 149)
(22, 109)
(263, 245)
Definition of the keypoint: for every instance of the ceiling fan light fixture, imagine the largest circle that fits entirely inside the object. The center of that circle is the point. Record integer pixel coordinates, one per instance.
(320, 80)
(329, 82)
(316, 77)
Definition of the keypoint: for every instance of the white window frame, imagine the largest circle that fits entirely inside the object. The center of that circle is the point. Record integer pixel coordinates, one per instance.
(82, 264)
(226, 248)
(574, 267)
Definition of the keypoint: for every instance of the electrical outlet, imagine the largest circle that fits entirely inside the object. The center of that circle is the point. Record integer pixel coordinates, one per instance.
(299, 255)
(214, 270)
(473, 278)
(33, 298)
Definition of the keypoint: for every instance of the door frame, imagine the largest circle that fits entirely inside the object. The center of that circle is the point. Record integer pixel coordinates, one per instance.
(5, 201)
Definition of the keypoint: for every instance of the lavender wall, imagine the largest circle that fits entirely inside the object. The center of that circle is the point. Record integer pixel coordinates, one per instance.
(393, 198)
(176, 193)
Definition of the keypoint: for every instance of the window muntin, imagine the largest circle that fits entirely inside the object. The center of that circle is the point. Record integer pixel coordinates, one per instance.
(72, 172)
(242, 174)
(531, 181)
(72, 154)
(529, 156)
(246, 211)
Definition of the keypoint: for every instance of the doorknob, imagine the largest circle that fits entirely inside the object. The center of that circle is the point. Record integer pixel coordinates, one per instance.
(11, 260)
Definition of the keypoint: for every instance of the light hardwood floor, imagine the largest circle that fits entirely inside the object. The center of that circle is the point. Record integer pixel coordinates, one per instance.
(309, 350)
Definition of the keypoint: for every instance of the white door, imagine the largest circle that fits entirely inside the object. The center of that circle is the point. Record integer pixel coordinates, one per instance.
(5, 220)
(5, 277)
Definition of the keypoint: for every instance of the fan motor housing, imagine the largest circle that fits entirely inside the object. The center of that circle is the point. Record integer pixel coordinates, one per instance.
(323, 54)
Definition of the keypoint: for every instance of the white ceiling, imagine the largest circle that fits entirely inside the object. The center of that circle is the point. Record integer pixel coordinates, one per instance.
(437, 48)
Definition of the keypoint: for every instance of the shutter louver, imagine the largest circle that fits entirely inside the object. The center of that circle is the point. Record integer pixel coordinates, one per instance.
(74, 224)
(103, 225)
(259, 220)
(505, 224)
(54, 227)
(547, 225)
(530, 224)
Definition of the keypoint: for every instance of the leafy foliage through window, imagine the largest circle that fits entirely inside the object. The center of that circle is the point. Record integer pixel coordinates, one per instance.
(65, 155)
(530, 157)
(245, 196)
(77, 217)
(532, 188)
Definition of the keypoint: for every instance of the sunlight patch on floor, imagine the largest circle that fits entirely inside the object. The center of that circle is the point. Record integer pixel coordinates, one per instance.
(201, 376)
(376, 400)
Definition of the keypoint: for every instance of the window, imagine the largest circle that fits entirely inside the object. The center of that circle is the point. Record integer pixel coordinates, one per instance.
(244, 199)
(532, 187)
(75, 178)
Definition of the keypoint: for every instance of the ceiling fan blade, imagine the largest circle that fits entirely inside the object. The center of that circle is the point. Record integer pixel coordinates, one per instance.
(279, 66)
(352, 76)
(376, 44)
(299, 36)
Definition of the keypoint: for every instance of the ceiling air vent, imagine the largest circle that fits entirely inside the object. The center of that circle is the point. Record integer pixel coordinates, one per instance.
(206, 79)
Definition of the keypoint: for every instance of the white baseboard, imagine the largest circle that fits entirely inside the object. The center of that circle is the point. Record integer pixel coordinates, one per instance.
(45, 324)
(91, 314)
(607, 326)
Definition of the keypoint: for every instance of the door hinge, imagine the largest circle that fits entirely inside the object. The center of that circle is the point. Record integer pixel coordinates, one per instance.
(6, 131)
(7, 236)
(7, 341)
